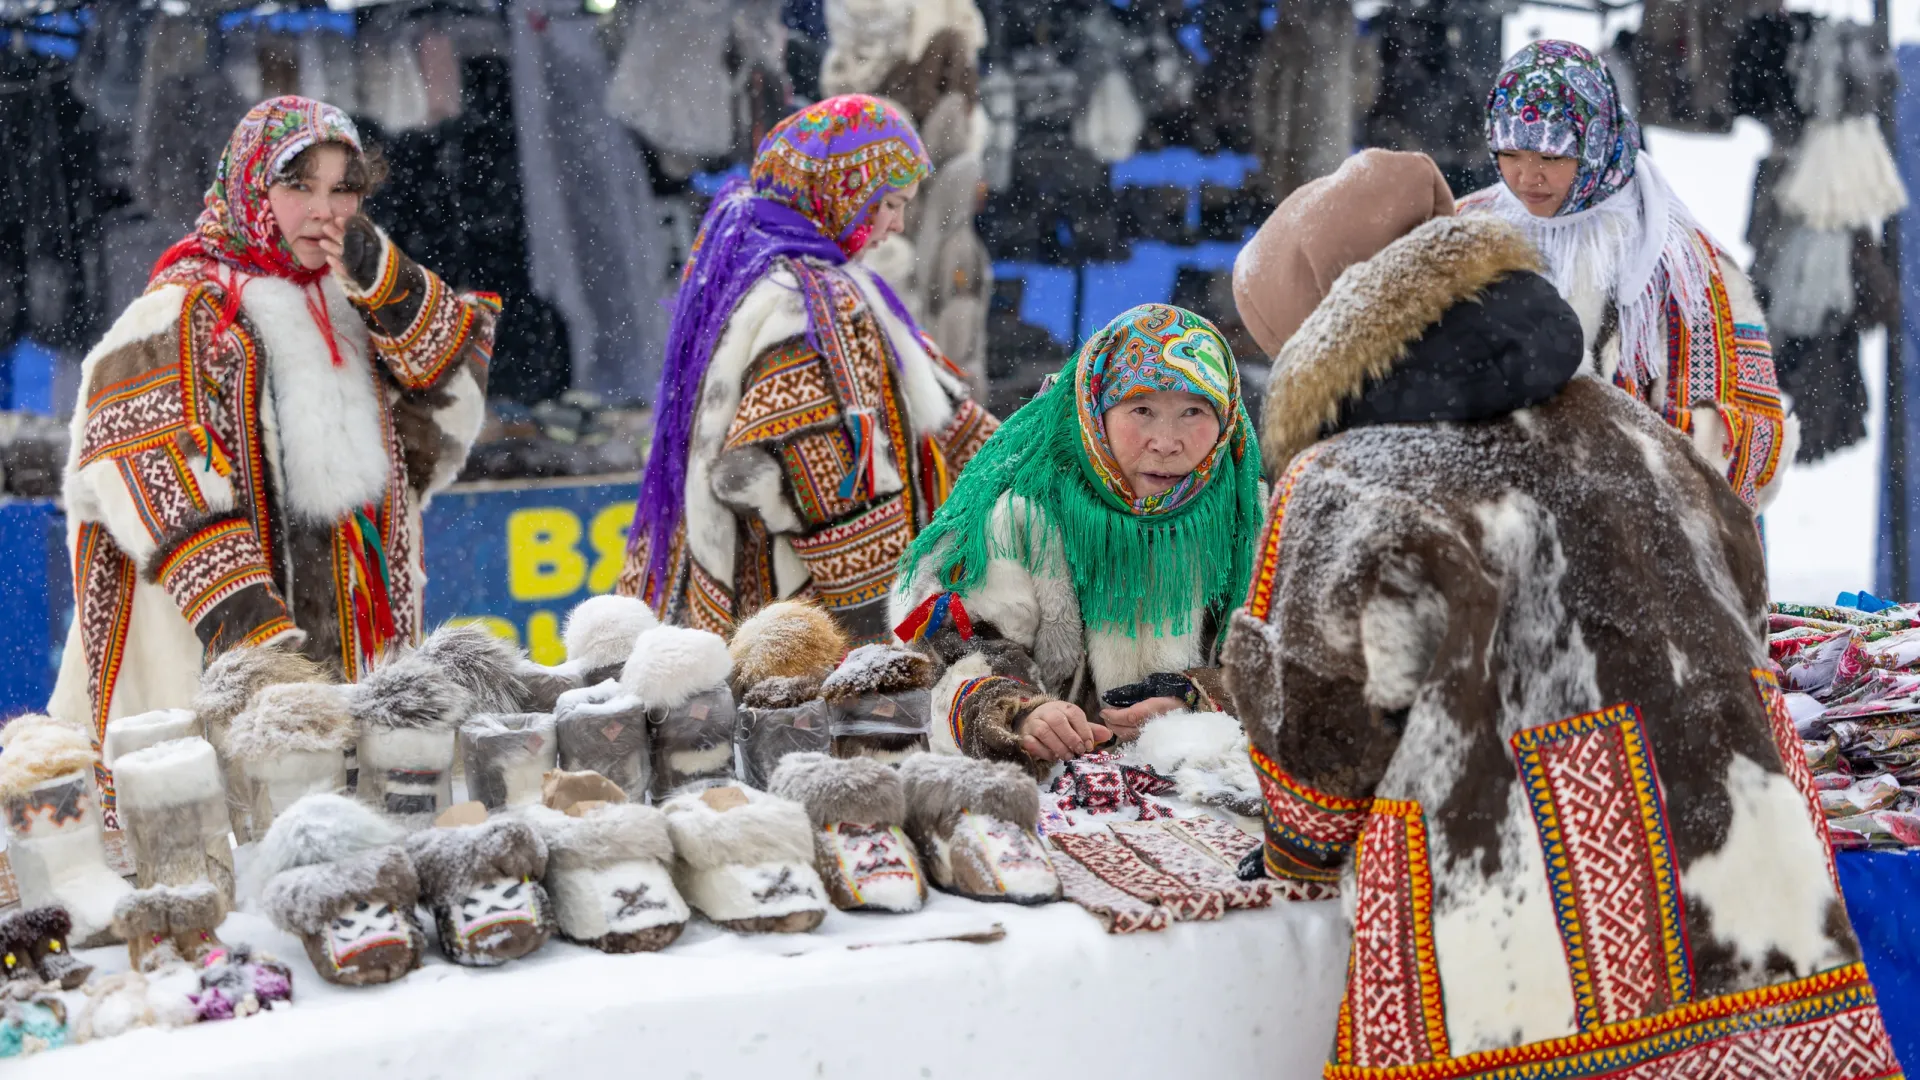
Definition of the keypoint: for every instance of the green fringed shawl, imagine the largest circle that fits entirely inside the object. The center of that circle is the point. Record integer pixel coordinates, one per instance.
(1140, 573)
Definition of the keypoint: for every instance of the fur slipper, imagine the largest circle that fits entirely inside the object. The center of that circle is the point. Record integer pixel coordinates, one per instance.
(227, 687)
(129, 733)
(505, 755)
(482, 883)
(680, 675)
(32, 1019)
(492, 670)
(744, 859)
(788, 639)
(408, 710)
(174, 808)
(52, 817)
(857, 807)
(974, 821)
(881, 702)
(603, 729)
(36, 944)
(291, 741)
(170, 924)
(609, 876)
(778, 716)
(331, 872)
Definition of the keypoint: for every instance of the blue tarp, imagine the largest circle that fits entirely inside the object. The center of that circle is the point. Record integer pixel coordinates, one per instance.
(1880, 888)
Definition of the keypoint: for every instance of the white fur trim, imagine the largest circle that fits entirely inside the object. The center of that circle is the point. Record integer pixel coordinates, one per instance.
(601, 630)
(727, 893)
(586, 904)
(401, 748)
(131, 733)
(179, 772)
(1178, 740)
(767, 829)
(459, 421)
(970, 666)
(671, 664)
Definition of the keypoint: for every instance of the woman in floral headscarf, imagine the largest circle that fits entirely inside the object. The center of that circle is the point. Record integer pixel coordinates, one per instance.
(805, 428)
(1668, 316)
(257, 434)
(1077, 581)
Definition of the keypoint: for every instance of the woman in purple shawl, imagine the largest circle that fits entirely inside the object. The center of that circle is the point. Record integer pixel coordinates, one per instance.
(805, 427)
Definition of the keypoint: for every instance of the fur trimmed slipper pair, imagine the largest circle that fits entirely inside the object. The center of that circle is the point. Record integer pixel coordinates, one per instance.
(608, 874)
(36, 946)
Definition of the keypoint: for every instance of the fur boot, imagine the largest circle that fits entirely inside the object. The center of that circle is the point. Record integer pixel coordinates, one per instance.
(974, 821)
(170, 924)
(492, 670)
(603, 729)
(408, 710)
(482, 883)
(36, 945)
(744, 859)
(137, 732)
(778, 716)
(174, 809)
(227, 687)
(54, 837)
(32, 1018)
(505, 755)
(291, 742)
(680, 675)
(331, 872)
(609, 876)
(785, 639)
(881, 702)
(857, 807)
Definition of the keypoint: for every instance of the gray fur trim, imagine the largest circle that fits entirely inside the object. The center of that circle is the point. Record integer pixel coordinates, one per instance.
(487, 666)
(939, 785)
(169, 909)
(291, 717)
(878, 669)
(767, 829)
(859, 791)
(303, 900)
(410, 690)
(230, 681)
(314, 831)
(452, 862)
(606, 835)
(781, 692)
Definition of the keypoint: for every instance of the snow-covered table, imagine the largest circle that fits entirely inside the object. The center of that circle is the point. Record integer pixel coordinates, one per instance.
(1252, 995)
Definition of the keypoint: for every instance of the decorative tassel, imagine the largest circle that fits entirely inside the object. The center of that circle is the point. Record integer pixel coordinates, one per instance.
(935, 613)
(368, 585)
(860, 480)
(936, 480)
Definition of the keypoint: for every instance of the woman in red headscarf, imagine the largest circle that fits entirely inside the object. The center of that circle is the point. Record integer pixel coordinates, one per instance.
(255, 437)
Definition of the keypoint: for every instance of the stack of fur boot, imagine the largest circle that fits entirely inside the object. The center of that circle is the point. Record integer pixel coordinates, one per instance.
(680, 676)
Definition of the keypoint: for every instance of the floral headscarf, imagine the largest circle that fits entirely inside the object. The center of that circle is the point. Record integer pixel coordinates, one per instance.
(1144, 350)
(1554, 97)
(833, 160)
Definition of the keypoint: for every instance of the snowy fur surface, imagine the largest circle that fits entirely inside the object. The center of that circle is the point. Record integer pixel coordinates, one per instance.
(291, 718)
(859, 791)
(940, 786)
(332, 452)
(878, 669)
(1204, 740)
(603, 837)
(40, 750)
(453, 862)
(786, 639)
(410, 690)
(316, 830)
(304, 899)
(781, 692)
(26, 722)
(231, 680)
(169, 909)
(601, 630)
(486, 665)
(671, 664)
(129, 733)
(767, 829)
(173, 773)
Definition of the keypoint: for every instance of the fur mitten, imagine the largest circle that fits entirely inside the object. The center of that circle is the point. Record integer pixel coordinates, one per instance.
(36, 945)
(881, 702)
(482, 883)
(32, 1019)
(680, 675)
(171, 924)
(330, 872)
(52, 815)
(132, 1000)
(857, 807)
(291, 741)
(174, 809)
(603, 729)
(609, 876)
(744, 859)
(408, 709)
(779, 716)
(974, 821)
(505, 755)
(227, 687)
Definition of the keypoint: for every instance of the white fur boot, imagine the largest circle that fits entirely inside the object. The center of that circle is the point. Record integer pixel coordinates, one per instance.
(408, 710)
(857, 807)
(505, 755)
(745, 860)
(174, 808)
(54, 837)
(680, 675)
(137, 732)
(609, 879)
(603, 729)
(974, 822)
(291, 742)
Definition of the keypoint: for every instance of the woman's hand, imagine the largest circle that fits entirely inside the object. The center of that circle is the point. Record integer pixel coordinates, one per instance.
(333, 241)
(1126, 723)
(1056, 731)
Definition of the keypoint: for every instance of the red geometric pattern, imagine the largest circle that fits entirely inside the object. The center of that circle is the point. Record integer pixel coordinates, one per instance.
(1117, 865)
(1121, 912)
(1267, 559)
(1786, 738)
(1825, 1027)
(1393, 1014)
(1162, 849)
(1307, 830)
(1597, 805)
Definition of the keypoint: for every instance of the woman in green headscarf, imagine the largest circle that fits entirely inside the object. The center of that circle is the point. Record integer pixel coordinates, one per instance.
(1077, 580)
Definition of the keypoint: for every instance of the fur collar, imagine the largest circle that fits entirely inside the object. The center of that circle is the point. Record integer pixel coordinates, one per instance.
(1374, 311)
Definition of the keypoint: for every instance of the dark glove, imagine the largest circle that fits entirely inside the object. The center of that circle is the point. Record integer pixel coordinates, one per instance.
(1253, 865)
(1159, 684)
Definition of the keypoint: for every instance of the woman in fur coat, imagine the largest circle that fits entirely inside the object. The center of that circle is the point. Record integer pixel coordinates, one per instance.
(1666, 314)
(1078, 580)
(256, 436)
(805, 428)
(1503, 676)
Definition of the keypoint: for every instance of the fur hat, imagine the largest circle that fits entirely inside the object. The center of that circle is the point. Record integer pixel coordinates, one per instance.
(672, 664)
(39, 749)
(601, 630)
(292, 718)
(169, 909)
(781, 692)
(789, 638)
(606, 835)
(410, 690)
(765, 829)
(940, 786)
(304, 899)
(452, 862)
(878, 669)
(314, 831)
(859, 791)
(486, 665)
(231, 680)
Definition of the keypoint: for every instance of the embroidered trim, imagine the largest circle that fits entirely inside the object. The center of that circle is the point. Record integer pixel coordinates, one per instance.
(956, 719)
(1793, 759)
(854, 562)
(1393, 971)
(1267, 560)
(211, 565)
(1300, 817)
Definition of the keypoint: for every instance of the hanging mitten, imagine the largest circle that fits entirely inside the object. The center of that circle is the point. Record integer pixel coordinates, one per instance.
(744, 859)
(482, 883)
(974, 823)
(858, 807)
(330, 871)
(505, 755)
(291, 742)
(54, 837)
(609, 876)
(408, 710)
(882, 702)
(227, 686)
(680, 675)
(174, 808)
(36, 945)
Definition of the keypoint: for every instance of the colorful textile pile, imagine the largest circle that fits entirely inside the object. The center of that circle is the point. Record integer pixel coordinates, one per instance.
(1148, 875)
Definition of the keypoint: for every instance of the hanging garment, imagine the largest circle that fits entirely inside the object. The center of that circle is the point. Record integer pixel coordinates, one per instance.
(671, 85)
